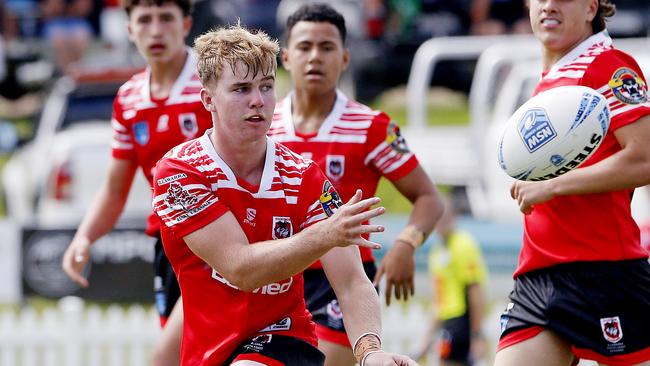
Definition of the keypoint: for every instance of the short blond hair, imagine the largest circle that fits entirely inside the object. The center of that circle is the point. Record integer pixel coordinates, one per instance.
(231, 45)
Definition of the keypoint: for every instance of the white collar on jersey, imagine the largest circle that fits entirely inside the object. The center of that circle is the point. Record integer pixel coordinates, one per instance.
(182, 81)
(269, 164)
(600, 37)
(335, 114)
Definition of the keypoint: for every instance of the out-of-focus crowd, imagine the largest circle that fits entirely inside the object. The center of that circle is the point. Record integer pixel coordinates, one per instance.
(41, 39)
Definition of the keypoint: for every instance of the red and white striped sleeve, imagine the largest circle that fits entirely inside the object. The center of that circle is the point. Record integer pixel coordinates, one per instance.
(183, 198)
(618, 77)
(388, 152)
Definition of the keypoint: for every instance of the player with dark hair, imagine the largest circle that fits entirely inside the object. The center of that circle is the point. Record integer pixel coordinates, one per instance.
(355, 146)
(242, 217)
(582, 285)
(153, 112)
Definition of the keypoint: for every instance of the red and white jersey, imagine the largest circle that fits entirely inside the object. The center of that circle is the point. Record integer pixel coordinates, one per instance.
(194, 187)
(355, 146)
(144, 129)
(590, 227)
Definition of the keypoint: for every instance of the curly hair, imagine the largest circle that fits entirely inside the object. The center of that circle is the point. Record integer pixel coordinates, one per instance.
(232, 45)
(605, 10)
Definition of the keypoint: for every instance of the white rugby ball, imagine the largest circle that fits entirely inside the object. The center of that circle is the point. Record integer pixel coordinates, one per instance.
(553, 133)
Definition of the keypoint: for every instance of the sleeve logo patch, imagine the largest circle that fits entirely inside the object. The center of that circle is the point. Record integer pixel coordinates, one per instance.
(628, 87)
(178, 198)
(171, 178)
(329, 199)
(395, 139)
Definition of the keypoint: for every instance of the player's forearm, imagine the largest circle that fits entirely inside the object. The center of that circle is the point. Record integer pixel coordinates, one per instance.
(360, 307)
(102, 215)
(276, 260)
(427, 210)
(475, 306)
(629, 168)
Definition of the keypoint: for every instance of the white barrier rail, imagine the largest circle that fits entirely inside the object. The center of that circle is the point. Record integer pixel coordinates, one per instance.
(73, 334)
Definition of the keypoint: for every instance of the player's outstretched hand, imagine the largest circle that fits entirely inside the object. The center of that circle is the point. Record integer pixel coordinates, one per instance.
(75, 259)
(346, 226)
(387, 359)
(398, 266)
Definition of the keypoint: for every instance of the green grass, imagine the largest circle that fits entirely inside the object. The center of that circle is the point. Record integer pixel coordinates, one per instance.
(3, 160)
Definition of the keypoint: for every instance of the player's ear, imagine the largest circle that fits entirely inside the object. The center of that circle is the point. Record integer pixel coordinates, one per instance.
(284, 57)
(187, 25)
(346, 58)
(206, 99)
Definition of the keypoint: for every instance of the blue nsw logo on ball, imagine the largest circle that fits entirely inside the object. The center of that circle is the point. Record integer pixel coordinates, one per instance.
(535, 129)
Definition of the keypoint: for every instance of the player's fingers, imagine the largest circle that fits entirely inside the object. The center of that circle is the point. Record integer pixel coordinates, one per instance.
(366, 229)
(398, 291)
(513, 190)
(363, 205)
(380, 272)
(355, 198)
(412, 286)
(389, 291)
(367, 243)
(367, 215)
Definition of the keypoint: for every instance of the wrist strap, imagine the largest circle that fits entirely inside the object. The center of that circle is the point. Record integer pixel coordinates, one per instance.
(363, 360)
(366, 342)
(412, 235)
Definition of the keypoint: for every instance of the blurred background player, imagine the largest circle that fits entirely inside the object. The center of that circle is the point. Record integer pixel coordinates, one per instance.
(582, 285)
(153, 112)
(459, 276)
(242, 217)
(355, 146)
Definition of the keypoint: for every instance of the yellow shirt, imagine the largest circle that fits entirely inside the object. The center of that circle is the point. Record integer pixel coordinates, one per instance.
(455, 266)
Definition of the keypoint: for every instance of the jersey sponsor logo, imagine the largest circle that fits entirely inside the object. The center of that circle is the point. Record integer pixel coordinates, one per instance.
(217, 276)
(141, 132)
(535, 129)
(163, 123)
(178, 198)
(284, 324)
(335, 166)
(275, 288)
(628, 87)
(329, 199)
(612, 330)
(395, 139)
(188, 124)
(257, 344)
(171, 178)
(250, 216)
(282, 227)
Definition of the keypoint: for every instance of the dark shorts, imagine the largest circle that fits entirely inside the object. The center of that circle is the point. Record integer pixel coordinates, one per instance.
(324, 307)
(453, 343)
(601, 308)
(277, 350)
(165, 284)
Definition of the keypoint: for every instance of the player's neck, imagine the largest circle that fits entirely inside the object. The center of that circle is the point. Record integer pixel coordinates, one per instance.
(164, 75)
(551, 56)
(309, 111)
(245, 159)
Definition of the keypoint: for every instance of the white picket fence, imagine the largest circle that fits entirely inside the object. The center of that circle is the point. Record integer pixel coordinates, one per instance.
(73, 334)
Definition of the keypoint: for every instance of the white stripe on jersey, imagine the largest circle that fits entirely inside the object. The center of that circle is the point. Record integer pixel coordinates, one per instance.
(311, 219)
(120, 145)
(373, 154)
(117, 126)
(571, 74)
(354, 139)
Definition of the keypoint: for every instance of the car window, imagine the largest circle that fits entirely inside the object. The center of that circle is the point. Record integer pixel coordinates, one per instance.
(88, 103)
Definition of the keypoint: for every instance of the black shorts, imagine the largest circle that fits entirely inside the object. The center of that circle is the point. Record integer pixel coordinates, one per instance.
(324, 307)
(277, 350)
(601, 308)
(454, 340)
(165, 284)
